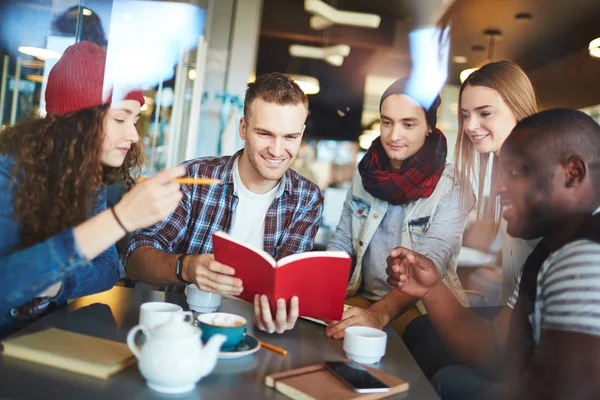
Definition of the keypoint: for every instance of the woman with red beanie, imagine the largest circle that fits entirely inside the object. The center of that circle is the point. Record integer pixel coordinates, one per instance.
(57, 233)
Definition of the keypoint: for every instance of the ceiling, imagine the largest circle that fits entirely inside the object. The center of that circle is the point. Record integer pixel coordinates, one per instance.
(552, 48)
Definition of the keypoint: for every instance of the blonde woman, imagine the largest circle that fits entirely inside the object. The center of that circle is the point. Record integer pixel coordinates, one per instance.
(491, 102)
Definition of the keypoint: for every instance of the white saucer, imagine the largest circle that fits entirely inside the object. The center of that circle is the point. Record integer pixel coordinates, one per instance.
(248, 345)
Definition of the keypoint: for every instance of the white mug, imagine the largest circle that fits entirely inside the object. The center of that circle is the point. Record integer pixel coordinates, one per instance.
(364, 345)
(156, 313)
(202, 301)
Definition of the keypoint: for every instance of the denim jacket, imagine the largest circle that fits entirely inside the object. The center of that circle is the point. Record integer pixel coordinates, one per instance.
(25, 273)
(363, 213)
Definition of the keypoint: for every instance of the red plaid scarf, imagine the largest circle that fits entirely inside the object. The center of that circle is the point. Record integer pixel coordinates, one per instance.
(417, 177)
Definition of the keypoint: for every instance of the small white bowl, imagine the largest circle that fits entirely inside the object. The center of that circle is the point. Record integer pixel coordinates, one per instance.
(364, 345)
(200, 309)
(200, 300)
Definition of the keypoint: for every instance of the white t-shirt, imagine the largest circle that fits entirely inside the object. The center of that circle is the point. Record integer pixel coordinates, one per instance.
(248, 223)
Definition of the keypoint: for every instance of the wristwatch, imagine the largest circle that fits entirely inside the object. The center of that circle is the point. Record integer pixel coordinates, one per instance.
(179, 268)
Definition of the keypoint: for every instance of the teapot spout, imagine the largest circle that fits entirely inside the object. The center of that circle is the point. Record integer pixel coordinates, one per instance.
(210, 353)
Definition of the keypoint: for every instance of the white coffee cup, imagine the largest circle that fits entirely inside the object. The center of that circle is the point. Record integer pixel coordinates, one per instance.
(200, 300)
(364, 345)
(156, 313)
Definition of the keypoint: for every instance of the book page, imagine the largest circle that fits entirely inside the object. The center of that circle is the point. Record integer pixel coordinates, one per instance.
(311, 254)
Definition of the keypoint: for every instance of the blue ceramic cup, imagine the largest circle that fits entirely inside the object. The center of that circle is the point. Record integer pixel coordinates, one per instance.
(231, 325)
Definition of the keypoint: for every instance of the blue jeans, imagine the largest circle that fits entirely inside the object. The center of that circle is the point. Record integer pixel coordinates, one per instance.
(459, 382)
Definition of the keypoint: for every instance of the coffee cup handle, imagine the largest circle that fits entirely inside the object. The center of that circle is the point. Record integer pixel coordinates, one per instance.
(185, 316)
(189, 315)
(135, 349)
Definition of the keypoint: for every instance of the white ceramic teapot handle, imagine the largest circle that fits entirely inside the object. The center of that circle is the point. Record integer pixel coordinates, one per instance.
(135, 349)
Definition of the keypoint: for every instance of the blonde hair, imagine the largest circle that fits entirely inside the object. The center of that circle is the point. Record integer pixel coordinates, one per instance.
(515, 88)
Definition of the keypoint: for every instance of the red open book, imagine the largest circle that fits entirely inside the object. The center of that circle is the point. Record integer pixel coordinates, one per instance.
(318, 278)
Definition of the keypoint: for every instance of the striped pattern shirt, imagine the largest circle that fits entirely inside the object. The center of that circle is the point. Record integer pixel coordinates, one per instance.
(291, 221)
(568, 291)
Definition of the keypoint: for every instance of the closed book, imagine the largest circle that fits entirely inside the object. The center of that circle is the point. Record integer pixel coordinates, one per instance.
(315, 382)
(318, 278)
(71, 351)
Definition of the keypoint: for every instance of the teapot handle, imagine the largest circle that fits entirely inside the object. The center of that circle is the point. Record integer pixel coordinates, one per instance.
(135, 349)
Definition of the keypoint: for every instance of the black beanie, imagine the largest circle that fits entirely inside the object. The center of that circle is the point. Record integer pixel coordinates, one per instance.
(399, 87)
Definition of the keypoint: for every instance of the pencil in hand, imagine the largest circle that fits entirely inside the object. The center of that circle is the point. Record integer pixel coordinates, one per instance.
(191, 181)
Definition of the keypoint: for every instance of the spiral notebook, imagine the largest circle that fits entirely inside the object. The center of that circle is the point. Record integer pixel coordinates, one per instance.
(71, 351)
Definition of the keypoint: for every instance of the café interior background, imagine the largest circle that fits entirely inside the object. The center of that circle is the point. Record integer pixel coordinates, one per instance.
(196, 57)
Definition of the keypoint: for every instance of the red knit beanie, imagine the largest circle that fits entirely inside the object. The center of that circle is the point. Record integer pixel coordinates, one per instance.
(75, 81)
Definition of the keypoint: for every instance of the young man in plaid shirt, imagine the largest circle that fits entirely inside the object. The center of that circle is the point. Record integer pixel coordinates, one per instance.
(260, 201)
(402, 194)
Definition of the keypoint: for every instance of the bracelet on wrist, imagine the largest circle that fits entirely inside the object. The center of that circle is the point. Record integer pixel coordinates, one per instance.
(114, 213)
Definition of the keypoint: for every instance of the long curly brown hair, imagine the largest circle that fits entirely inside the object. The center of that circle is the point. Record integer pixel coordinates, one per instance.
(58, 170)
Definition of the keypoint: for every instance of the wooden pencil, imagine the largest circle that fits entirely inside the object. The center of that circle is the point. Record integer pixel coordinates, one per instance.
(274, 348)
(191, 181)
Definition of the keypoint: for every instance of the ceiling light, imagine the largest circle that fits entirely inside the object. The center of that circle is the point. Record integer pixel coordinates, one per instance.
(594, 48)
(35, 78)
(325, 15)
(192, 74)
(38, 52)
(333, 55)
(308, 84)
(87, 12)
(33, 64)
(460, 59)
(493, 34)
(464, 74)
(523, 17)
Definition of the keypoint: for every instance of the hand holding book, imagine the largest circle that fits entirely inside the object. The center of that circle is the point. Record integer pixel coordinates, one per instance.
(283, 320)
(210, 275)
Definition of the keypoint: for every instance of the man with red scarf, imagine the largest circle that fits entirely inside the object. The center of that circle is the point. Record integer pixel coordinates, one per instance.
(402, 194)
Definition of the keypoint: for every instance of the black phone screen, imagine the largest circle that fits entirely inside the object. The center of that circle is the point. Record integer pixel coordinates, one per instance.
(356, 376)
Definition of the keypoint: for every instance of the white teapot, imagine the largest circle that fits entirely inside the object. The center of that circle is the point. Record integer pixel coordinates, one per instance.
(173, 358)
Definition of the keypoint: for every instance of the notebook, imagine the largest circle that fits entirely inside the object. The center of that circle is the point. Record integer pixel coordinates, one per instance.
(317, 383)
(71, 351)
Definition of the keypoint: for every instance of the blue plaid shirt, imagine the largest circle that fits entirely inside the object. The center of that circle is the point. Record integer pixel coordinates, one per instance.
(291, 222)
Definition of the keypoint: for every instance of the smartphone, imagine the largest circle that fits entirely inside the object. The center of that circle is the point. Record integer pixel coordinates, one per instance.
(356, 377)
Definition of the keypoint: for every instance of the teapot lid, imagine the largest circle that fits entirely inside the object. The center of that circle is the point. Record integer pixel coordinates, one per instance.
(175, 329)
